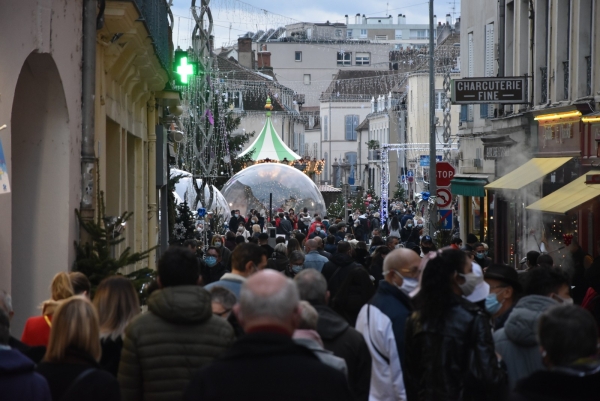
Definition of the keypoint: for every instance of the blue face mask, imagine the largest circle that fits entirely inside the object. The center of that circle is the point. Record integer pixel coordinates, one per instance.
(297, 268)
(480, 255)
(492, 305)
(210, 261)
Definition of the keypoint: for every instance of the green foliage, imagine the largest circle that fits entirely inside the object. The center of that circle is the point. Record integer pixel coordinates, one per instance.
(184, 226)
(400, 193)
(97, 259)
(372, 144)
(336, 208)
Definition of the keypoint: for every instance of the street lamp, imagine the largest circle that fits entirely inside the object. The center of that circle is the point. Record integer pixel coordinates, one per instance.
(346, 168)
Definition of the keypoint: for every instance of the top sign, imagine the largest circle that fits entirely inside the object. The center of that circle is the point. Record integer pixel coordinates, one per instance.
(506, 90)
(445, 172)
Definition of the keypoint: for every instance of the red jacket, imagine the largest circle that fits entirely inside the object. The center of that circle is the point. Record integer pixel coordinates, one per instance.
(37, 331)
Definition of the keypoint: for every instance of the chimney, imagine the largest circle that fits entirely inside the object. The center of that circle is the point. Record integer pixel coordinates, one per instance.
(434, 20)
(448, 19)
(245, 52)
(346, 19)
(404, 19)
(264, 59)
(357, 19)
(364, 19)
(399, 19)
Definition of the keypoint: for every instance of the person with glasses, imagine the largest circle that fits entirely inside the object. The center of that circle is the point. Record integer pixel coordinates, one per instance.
(505, 291)
(222, 301)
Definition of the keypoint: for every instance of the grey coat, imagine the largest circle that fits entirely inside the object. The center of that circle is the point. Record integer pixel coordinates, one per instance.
(324, 356)
(517, 343)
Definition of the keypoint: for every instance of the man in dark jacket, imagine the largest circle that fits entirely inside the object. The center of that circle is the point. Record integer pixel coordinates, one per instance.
(320, 249)
(505, 291)
(18, 380)
(338, 268)
(569, 345)
(285, 225)
(338, 337)
(234, 221)
(179, 334)
(384, 322)
(266, 364)
(517, 341)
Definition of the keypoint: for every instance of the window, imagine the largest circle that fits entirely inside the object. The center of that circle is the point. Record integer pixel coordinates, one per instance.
(440, 100)
(398, 34)
(309, 33)
(363, 58)
(338, 32)
(471, 71)
(306, 79)
(351, 124)
(326, 159)
(363, 33)
(234, 100)
(315, 150)
(344, 58)
(325, 128)
(349, 33)
(351, 159)
(490, 61)
(298, 56)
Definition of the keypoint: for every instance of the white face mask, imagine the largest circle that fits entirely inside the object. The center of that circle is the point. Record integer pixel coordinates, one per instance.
(408, 284)
(471, 281)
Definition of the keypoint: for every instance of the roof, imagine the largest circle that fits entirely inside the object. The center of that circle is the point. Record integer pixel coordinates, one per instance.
(329, 188)
(364, 85)
(364, 126)
(268, 145)
(568, 197)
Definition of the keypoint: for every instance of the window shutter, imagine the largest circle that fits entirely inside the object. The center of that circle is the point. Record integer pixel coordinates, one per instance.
(325, 129)
(483, 111)
(471, 73)
(463, 112)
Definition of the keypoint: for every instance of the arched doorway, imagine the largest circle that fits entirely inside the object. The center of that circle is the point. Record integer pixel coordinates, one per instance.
(40, 185)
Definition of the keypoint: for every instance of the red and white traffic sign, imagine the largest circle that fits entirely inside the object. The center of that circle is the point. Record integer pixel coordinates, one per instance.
(445, 172)
(444, 197)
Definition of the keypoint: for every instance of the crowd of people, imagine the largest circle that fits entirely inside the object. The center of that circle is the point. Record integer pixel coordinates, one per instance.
(329, 309)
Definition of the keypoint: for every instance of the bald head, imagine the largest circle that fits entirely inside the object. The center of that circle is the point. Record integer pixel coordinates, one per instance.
(311, 245)
(318, 241)
(404, 261)
(268, 298)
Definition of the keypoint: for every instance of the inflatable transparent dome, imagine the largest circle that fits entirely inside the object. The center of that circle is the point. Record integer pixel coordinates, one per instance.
(291, 188)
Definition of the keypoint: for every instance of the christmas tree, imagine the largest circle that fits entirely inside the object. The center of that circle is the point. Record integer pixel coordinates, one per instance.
(96, 258)
(336, 208)
(184, 226)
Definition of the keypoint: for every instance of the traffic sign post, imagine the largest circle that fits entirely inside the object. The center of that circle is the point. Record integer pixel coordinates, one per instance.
(445, 218)
(445, 171)
(444, 197)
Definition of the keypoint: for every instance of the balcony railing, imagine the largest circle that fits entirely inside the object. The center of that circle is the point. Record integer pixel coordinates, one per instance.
(154, 14)
(544, 85)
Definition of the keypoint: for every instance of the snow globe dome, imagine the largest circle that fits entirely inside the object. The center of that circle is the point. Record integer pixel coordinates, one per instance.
(291, 189)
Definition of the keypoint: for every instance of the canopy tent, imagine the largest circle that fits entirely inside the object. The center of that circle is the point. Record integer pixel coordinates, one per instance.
(268, 145)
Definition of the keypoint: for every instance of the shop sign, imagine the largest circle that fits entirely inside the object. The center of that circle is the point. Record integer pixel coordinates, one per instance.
(489, 90)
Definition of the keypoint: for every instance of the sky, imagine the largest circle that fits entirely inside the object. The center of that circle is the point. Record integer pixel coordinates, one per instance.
(233, 18)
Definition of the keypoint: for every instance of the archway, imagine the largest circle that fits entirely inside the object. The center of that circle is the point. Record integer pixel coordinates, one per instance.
(40, 185)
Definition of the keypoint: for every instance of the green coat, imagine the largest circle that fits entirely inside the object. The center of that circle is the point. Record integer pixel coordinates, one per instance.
(166, 346)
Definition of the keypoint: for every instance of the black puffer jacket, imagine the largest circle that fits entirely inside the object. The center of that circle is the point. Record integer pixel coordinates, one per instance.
(336, 271)
(456, 361)
(278, 261)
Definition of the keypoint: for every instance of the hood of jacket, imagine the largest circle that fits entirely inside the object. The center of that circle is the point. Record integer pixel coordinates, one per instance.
(14, 362)
(185, 304)
(342, 259)
(330, 325)
(521, 325)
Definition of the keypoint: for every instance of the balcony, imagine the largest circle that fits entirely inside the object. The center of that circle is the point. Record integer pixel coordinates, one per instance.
(154, 15)
(374, 155)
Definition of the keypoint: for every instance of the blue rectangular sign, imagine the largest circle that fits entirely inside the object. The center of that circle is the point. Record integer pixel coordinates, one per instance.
(424, 160)
(445, 217)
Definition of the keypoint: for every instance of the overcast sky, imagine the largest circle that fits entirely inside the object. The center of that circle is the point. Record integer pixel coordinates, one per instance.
(253, 15)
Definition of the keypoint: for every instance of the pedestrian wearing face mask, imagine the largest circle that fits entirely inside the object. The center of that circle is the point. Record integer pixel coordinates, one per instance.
(505, 291)
(217, 242)
(449, 353)
(406, 230)
(214, 269)
(480, 257)
(427, 245)
(382, 322)
(517, 341)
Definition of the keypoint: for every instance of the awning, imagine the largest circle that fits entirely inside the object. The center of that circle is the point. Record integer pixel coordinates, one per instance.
(469, 184)
(568, 197)
(529, 172)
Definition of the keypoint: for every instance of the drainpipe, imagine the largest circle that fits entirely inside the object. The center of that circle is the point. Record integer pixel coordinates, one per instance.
(88, 87)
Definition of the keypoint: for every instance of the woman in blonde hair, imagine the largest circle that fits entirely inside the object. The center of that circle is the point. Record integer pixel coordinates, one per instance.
(37, 329)
(117, 304)
(71, 365)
